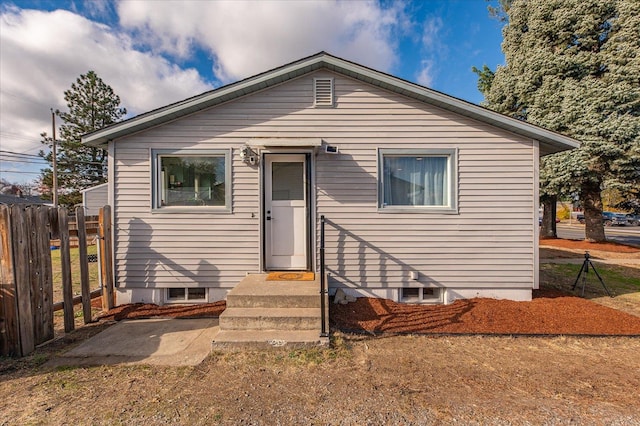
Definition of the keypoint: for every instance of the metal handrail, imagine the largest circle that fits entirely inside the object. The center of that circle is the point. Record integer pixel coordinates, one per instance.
(323, 284)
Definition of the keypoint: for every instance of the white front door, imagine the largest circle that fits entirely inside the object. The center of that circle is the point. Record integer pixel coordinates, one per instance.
(285, 208)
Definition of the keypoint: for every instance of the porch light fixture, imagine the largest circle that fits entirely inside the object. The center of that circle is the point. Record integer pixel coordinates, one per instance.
(249, 156)
(330, 149)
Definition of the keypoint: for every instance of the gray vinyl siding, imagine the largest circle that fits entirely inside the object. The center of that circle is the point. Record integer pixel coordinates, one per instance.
(489, 243)
(93, 199)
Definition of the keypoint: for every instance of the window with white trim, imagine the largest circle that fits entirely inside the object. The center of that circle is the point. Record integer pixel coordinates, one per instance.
(189, 294)
(421, 295)
(417, 180)
(191, 178)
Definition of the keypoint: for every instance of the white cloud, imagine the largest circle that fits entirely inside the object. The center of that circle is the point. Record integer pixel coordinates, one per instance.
(426, 74)
(42, 53)
(432, 48)
(246, 38)
(431, 33)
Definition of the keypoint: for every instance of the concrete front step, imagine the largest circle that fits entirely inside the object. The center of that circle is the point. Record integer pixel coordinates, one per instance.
(255, 292)
(273, 301)
(266, 339)
(267, 314)
(270, 319)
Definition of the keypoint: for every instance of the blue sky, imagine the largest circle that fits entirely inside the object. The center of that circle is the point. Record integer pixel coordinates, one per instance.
(156, 52)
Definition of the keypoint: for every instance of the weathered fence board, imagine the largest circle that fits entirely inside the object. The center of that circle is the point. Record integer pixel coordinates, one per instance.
(65, 268)
(84, 265)
(20, 236)
(108, 299)
(46, 274)
(9, 330)
(39, 266)
(26, 287)
(33, 270)
(53, 222)
(21, 270)
(58, 306)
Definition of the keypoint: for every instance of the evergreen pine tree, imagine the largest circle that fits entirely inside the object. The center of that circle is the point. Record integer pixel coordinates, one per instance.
(572, 66)
(92, 105)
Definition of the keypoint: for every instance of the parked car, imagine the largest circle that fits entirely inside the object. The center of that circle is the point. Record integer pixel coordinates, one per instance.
(614, 219)
(634, 219)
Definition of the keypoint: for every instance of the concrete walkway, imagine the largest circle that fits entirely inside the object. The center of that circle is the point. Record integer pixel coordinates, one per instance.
(163, 341)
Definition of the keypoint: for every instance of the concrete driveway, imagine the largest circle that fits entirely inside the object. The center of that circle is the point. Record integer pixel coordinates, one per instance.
(162, 341)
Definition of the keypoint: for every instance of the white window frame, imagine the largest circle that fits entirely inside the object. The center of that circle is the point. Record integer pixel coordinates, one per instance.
(184, 299)
(421, 299)
(452, 180)
(156, 180)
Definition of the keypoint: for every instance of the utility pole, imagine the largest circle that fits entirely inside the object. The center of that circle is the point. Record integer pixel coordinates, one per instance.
(55, 160)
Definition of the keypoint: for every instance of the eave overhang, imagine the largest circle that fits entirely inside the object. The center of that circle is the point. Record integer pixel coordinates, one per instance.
(550, 142)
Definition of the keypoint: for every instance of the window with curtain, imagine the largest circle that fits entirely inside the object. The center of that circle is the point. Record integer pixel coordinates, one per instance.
(191, 179)
(414, 180)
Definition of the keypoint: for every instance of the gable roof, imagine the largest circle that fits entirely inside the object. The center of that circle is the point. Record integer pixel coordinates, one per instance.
(550, 142)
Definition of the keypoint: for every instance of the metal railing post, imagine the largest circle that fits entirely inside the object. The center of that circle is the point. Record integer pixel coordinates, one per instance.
(323, 284)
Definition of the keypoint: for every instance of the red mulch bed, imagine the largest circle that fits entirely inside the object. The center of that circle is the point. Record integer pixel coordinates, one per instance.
(150, 310)
(550, 312)
(586, 245)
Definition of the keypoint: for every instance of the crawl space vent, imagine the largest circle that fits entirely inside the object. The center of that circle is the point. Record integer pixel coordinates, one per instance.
(323, 91)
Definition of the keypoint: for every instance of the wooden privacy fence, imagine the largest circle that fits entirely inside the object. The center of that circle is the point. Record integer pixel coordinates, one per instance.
(26, 281)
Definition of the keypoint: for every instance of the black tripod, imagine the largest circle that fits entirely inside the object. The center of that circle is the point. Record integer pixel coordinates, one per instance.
(584, 271)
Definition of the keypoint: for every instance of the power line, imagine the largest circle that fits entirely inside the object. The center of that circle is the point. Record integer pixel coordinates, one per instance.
(30, 146)
(21, 98)
(8, 159)
(19, 154)
(20, 171)
(5, 160)
(12, 135)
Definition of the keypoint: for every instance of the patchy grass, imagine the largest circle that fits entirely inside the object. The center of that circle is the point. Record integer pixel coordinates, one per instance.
(316, 356)
(622, 281)
(75, 272)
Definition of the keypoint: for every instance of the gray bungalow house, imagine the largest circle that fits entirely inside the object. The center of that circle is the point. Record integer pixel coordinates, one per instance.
(427, 198)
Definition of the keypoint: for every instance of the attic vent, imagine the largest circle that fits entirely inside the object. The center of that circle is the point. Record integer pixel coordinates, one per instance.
(323, 91)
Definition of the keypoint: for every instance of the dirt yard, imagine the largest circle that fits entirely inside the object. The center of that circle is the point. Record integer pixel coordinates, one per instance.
(361, 379)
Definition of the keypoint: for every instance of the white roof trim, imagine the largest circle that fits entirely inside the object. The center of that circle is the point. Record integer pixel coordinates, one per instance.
(547, 137)
(94, 187)
(288, 142)
(550, 141)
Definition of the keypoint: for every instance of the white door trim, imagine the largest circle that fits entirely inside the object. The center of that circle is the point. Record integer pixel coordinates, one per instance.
(290, 219)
